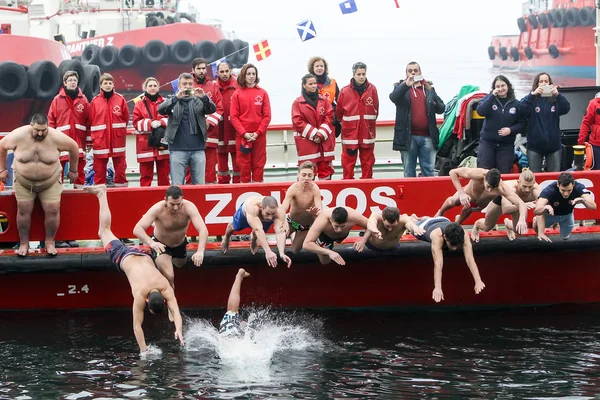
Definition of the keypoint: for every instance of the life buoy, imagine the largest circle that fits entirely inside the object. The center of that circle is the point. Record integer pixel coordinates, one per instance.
(533, 21)
(108, 58)
(543, 18)
(129, 56)
(90, 54)
(528, 53)
(514, 53)
(91, 86)
(44, 81)
(72, 65)
(491, 52)
(589, 157)
(559, 17)
(522, 24)
(206, 49)
(225, 48)
(572, 17)
(182, 52)
(13, 81)
(503, 53)
(553, 50)
(585, 16)
(155, 52)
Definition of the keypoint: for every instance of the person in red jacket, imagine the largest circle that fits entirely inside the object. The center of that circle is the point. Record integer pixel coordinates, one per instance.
(109, 116)
(227, 85)
(145, 119)
(211, 88)
(250, 116)
(328, 87)
(591, 125)
(357, 109)
(69, 113)
(312, 118)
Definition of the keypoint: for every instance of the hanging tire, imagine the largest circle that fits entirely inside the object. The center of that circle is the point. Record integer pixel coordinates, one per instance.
(244, 52)
(78, 58)
(543, 18)
(553, 50)
(182, 52)
(503, 53)
(155, 52)
(13, 81)
(550, 16)
(585, 16)
(129, 56)
(528, 53)
(533, 21)
(92, 81)
(559, 17)
(108, 58)
(44, 81)
(72, 65)
(491, 52)
(206, 49)
(514, 54)
(238, 57)
(572, 17)
(152, 21)
(522, 24)
(170, 20)
(225, 48)
(90, 54)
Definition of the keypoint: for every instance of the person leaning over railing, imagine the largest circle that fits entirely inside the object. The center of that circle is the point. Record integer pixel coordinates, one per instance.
(591, 125)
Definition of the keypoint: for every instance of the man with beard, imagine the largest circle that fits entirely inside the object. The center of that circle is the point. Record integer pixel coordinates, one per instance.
(211, 89)
(37, 173)
(227, 85)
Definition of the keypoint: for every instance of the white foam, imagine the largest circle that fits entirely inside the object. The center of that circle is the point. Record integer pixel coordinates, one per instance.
(152, 352)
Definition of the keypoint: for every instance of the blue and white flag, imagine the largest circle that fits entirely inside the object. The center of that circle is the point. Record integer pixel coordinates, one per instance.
(215, 66)
(175, 85)
(348, 6)
(306, 30)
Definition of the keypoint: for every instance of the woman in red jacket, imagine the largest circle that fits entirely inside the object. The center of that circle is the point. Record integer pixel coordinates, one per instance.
(312, 118)
(145, 119)
(591, 125)
(250, 116)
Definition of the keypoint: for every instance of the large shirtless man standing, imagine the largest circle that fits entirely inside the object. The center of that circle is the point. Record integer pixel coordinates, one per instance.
(526, 188)
(385, 228)
(171, 218)
(303, 199)
(331, 226)
(484, 186)
(38, 173)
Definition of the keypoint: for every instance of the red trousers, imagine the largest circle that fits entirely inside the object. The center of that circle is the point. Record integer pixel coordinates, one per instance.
(80, 174)
(120, 164)
(324, 170)
(252, 165)
(367, 159)
(210, 174)
(162, 172)
(224, 168)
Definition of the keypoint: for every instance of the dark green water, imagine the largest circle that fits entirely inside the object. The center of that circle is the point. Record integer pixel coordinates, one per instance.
(524, 353)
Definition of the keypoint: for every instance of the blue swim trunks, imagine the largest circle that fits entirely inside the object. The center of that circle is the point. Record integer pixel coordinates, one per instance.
(240, 222)
(231, 324)
(119, 252)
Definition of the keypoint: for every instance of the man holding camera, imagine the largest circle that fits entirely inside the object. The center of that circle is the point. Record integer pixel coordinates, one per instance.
(186, 130)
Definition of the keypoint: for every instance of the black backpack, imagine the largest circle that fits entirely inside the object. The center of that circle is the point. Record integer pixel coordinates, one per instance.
(156, 137)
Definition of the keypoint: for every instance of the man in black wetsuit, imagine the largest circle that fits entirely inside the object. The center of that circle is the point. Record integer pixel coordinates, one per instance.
(446, 235)
(332, 225)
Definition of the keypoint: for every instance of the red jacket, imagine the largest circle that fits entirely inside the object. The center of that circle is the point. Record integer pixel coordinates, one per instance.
(309, 123)
(211, 88)
(250, 112)
(141, 122)
(591, 121)
(358, 115)
(108, 125)
(226, 129)
(71, 117)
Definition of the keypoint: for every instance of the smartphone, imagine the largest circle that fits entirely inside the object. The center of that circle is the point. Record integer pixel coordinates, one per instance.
(418, 78)
(188, 92)
(546, 91)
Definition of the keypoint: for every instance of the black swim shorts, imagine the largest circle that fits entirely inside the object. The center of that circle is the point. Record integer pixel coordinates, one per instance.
(175, 252)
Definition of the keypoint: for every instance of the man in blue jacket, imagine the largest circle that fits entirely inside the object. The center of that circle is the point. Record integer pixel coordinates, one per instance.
(416, 134)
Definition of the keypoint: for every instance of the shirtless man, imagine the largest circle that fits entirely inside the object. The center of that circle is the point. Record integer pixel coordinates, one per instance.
(304, 197)
(484, 186)
(384, 230)
(171, 218)
(526, 188)
(38, 173)
(259, 213)
(446, 235)
(148, 285)
(332, 225)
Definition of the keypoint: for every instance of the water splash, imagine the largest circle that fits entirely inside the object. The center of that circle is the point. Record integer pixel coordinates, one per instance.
(152, 353)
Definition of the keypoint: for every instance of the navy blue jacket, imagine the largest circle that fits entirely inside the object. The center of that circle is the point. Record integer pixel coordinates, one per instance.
(543, 130)
(401, 97)
(498, 117)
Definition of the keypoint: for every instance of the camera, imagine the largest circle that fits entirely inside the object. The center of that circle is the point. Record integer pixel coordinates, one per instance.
(546, 91)
(188, 92)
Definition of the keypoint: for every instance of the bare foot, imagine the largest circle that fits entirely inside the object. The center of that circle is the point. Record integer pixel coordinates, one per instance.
(254, 245)
(242, 273)
(23, 249)
(475, 234)
(96, 189)
(51, 248)
(225, 244)
(510, 232)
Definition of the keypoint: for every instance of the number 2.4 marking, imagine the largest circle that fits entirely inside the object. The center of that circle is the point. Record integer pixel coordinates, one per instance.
(73, 289)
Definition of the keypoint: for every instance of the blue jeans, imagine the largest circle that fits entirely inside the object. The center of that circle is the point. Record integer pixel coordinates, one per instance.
(536, 160)
(566, 223)
(495, 155)
(422, 147)
(181, 159)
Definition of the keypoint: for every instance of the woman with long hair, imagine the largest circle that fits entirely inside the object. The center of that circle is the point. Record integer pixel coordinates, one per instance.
(326, 85)
(542, 108)
(503, 120)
